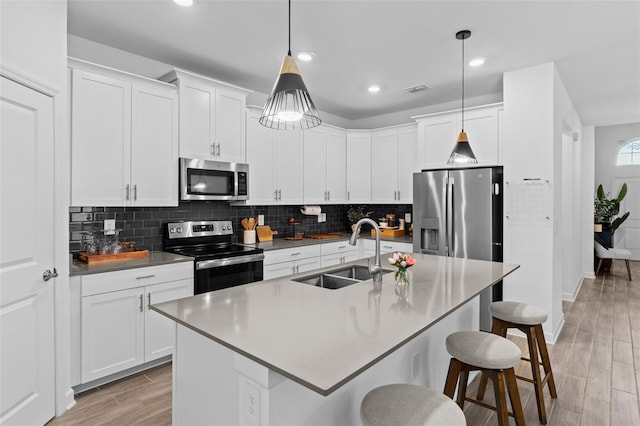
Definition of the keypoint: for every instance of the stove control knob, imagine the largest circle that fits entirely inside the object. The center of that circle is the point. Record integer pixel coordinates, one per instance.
(179, 230)
(172, 230)
(224, 227)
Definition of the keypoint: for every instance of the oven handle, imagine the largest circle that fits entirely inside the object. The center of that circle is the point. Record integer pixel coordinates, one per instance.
(216, 263)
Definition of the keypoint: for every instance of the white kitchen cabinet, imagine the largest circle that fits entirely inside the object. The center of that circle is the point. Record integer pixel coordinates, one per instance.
(280, 263)
(386, 246)
(393, 162)
(212, 117)
(325, 165)
(358, 166)
(339, 252)
(124, 139)
(117, 328)
(275, 163)
(437, 134)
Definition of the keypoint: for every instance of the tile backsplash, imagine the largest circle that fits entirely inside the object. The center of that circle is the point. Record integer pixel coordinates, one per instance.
(144, 225)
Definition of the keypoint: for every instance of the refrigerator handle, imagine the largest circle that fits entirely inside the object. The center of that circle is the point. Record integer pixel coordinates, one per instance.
(452, 218)
(449, 215)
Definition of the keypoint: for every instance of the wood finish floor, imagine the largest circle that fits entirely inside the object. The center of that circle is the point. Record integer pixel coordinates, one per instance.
(595, 361)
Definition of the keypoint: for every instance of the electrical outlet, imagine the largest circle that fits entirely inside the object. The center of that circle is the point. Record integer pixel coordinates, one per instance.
(322, 217)
(261, 219)
(109, 226)
(251, 403)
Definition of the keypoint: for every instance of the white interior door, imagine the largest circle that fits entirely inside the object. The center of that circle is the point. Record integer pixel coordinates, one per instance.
(628, 236)
(27, 387)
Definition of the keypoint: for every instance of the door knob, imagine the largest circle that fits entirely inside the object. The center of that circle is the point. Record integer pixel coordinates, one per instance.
(47, 275)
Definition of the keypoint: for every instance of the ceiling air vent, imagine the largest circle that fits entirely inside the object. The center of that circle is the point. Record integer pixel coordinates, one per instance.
(416, 89)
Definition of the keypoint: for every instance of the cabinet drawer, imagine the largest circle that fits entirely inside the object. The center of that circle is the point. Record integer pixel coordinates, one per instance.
(387, 247)
(337, 247)
(132, 278)
(286, 255)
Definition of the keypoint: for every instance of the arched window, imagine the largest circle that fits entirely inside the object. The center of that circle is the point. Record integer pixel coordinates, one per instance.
(629, 154)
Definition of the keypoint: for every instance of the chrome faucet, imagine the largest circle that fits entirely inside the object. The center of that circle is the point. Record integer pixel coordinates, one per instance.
(375, 269)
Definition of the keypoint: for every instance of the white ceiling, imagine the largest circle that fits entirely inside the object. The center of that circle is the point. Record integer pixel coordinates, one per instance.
(393, 43)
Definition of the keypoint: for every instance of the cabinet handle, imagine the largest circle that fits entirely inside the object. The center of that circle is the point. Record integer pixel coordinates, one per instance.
(342, 247)
(141, 303)
(280, 194)
(293, 269)
(275, 195)
(328, 195)
(219, 150)
(348, 195)
(296, 254)
(135, 192)
(148, 301)
(388, 247)
(212, 150)
(126, 190)
(297, 269)
(398, 195)
(145, 276)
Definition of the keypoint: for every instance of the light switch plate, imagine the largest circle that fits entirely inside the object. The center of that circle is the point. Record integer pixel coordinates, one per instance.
(322, 217)
(109, 226)
(261, 220)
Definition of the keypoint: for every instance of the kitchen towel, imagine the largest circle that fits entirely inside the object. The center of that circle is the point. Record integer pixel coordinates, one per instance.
(311, 210)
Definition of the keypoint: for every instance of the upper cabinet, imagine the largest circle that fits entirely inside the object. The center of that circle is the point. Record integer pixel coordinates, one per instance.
(275, 163)
(437, 134)
(359, 166)
(124, 138)
(212, 117)
(394, 159)
(325, 165)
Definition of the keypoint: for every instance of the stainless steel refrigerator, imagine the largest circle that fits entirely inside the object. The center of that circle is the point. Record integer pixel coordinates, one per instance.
(459, 213)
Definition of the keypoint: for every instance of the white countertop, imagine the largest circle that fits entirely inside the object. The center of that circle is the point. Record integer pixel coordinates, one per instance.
(323, 338)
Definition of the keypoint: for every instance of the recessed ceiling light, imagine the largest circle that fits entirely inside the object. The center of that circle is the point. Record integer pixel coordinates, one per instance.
(185, 3)
(374, 88)
(476, 62)
(305, 56)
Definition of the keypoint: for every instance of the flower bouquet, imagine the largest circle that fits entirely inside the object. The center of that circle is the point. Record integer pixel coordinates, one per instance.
(402, 262)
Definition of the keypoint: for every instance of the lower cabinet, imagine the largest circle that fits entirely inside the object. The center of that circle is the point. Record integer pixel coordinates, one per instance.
(280, 263)
(386, 247)
(339, 252)
(118, 328)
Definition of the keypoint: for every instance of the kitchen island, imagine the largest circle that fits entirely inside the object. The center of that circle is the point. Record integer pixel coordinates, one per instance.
(284, 352)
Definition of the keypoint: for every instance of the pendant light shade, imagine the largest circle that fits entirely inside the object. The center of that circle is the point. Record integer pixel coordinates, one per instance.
(462, 154)
(290, 106)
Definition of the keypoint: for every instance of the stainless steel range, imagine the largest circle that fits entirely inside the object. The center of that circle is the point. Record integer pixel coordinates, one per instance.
(219, 263)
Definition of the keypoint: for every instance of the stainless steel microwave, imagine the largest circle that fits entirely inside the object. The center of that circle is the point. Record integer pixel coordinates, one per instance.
(213, 180)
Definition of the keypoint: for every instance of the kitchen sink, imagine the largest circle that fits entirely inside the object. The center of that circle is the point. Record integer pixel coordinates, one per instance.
(339, 278)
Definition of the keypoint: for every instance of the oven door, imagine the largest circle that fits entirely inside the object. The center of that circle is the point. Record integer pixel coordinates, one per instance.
(211, 275)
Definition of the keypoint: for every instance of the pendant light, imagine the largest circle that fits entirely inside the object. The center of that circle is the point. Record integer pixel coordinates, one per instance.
(462, 153)
(290, 106)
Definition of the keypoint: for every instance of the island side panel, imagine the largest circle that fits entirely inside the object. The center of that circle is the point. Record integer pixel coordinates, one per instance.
(216, 386)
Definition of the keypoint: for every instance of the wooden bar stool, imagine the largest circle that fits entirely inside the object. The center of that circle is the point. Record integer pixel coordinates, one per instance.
(495, 357)
(528, 319)
(405, 404)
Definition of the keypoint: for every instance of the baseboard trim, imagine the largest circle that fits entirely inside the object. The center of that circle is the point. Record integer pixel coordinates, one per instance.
(121, 374)
(569, 297)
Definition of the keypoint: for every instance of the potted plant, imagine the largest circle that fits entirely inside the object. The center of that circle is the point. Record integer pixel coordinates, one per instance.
(606, 212)
(354, 214)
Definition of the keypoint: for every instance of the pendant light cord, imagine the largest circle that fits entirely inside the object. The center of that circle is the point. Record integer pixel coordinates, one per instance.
(462, 83)
(289, 51)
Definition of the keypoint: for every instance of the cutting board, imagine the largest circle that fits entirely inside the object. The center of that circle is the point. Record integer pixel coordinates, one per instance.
(113, 257)
(388, 232)
(323, 236)
(265, 233)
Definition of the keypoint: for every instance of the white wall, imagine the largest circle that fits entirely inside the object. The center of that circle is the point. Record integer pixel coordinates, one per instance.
(33, 51)
(539, 119)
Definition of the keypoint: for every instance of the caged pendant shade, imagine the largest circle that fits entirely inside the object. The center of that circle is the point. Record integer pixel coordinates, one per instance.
(289, 107)
(462, 154)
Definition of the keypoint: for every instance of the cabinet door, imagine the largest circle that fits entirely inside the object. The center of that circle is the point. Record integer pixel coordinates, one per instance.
(197, 105)
(112, 332)
(159, 330)
(336, 167)
(408, 163)
(289, 167)
(154, 147)
(315, 190)
(439, 136)
(100, 140)
(384, 166)
(358, 168)
(229, 126)
(260, 156)
(482, 129)
(305, 265)
(278, 270)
